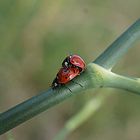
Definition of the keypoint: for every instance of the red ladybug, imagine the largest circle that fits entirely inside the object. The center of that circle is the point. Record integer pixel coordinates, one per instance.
(64, 75)
(74, 61)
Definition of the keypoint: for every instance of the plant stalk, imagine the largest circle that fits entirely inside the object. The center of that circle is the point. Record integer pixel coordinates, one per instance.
(119, 47)
(95, 76)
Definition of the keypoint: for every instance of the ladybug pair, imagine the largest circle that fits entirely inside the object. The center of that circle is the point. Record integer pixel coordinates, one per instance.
(72, 66)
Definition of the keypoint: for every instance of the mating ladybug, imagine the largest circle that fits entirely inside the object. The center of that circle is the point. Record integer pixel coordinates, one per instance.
(74, 61)
(64, 75)
(72, 66)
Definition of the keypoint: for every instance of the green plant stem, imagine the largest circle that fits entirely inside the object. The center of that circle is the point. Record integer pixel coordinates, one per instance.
(122, 82)
(113, 80)
(119, 47)
(93, 77)
(110, 79)
(43, 101)
(107, 60)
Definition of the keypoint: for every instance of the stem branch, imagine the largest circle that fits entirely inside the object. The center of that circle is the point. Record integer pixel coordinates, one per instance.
(119, 47)
(93, 77)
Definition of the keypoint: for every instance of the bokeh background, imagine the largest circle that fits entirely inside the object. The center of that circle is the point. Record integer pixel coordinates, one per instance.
(36, 35)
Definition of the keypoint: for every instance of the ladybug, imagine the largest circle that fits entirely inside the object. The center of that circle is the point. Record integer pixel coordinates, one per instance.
(74, 61)
(65, 75)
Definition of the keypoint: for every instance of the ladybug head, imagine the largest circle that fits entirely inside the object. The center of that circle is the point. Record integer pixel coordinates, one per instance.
(74, 61)
(55, 83)
(66, 62)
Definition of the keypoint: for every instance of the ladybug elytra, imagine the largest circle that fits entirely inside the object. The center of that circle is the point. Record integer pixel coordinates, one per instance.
(74, 61)
(65, 75)
(72, 66)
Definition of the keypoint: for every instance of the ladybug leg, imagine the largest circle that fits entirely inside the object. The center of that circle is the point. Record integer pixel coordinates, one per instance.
(63, 85)
(69, 89)
(66, 87)
(77, 83)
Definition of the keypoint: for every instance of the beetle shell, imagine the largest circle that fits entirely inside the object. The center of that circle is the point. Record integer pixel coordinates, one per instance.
(64, 75)
(74, 61)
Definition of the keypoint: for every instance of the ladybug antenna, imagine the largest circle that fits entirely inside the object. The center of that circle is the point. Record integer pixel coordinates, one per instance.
(77, 83)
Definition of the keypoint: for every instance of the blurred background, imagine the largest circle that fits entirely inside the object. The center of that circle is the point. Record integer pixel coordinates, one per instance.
(36, 35)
